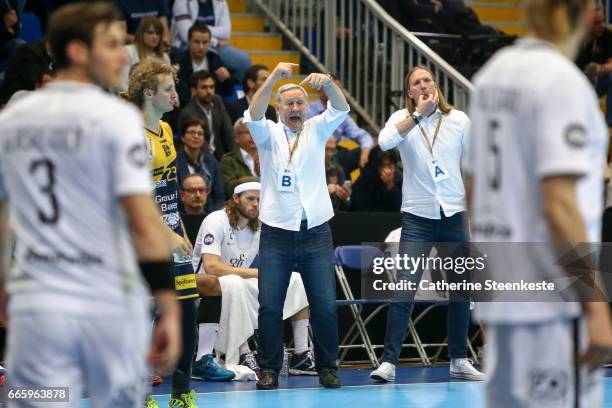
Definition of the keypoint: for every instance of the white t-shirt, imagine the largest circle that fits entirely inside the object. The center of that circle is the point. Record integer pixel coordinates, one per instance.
(534, 114)
(68, 153)
(236, 247)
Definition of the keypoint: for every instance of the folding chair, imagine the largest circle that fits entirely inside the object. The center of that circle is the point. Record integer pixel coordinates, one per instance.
(352, 257)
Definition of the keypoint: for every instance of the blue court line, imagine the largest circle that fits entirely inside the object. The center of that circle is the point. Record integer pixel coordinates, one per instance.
(419, 395)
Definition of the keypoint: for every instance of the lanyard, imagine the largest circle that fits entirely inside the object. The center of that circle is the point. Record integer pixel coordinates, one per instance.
(431, 145)
(293, 148)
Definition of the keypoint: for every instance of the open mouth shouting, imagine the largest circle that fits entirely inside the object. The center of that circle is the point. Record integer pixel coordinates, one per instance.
(295, 118)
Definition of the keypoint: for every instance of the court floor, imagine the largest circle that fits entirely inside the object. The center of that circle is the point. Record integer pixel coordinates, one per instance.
(414, 387)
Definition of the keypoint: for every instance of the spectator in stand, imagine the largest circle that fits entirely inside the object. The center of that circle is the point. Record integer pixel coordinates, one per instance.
(198, 57)
(254, 78)
(195, 158)
(209, 107)
(135, 10)
(379, 188)
(9, 30)
(194, 194)
(29, 68)
(348, 129)
(337, 185)
(241, 162)
(595, 58)
(215, 14)
(148, 43)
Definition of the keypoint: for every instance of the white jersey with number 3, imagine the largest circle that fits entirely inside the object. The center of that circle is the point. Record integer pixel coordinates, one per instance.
(534, 115)
(67, 155)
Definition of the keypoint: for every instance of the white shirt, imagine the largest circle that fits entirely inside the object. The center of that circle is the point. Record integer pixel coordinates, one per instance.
(284, 209)
(202, 65)
(529, 124)
(209, 119)
(248, 160)
(422, 196)
(236, 247)
(63, 171)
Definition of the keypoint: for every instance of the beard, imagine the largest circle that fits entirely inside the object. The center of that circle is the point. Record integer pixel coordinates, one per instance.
(245, 214)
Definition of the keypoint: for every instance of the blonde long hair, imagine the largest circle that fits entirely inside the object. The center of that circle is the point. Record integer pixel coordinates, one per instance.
(144, 25)
(443, 105)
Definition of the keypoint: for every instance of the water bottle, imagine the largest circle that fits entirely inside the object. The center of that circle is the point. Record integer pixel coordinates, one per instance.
(284, 372)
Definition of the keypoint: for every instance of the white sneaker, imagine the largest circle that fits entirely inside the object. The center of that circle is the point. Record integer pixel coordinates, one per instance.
(385, 373)
(463, 368)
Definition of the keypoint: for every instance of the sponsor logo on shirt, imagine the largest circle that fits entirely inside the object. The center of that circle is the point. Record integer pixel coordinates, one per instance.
(209, 239)
(575, 135)
(137, 155)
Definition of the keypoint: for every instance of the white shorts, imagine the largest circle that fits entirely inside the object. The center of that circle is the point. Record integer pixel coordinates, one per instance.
(101, 358)
(533, 365)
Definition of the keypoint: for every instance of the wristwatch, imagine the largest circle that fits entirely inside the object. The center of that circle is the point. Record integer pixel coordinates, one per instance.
(416, 117)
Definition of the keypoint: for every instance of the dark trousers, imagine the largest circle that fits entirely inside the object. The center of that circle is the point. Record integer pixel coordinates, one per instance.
(425, 230)
(311, 251)
(181, 378)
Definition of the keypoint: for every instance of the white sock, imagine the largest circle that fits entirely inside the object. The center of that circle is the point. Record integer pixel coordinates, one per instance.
(206, 339)
(300, 335)
(244, 348)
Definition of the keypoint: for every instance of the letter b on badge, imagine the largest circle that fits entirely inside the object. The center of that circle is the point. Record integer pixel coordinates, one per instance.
(286, 181)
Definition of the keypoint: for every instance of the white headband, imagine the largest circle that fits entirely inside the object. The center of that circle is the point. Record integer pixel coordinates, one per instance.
(252, 185)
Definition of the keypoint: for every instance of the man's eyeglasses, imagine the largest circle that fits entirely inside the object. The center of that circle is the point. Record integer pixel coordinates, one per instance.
(195, 132)
(196, 190)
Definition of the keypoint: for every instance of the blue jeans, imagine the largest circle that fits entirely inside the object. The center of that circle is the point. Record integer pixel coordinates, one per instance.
(234, 59)
(425, 230)
(312, 252)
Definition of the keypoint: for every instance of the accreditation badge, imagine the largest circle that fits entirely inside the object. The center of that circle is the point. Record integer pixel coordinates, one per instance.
(286, 180)
(438, 172)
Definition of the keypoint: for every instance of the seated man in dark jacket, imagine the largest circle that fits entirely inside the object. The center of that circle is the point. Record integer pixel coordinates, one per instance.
(208, 107)
(241, 162)
(198, 57)
(254, 77)
(194, 157)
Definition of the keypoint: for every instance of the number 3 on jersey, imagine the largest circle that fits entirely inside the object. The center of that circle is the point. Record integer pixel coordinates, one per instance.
(47, 169)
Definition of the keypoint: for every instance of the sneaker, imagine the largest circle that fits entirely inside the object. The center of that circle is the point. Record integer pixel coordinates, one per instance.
(463, 368)
(328, 378)
(384, 373)
(151, 403)
(268, 381)
(207, 368)
(184, 401)
(156, 380)
(302, 364)
(248, 360)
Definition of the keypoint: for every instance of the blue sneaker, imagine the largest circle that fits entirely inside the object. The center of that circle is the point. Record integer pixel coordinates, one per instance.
(207, 368)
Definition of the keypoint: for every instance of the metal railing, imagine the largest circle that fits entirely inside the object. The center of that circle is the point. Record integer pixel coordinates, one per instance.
(367, 48)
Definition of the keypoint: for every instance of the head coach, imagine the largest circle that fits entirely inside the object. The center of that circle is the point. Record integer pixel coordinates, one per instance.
(295, 210)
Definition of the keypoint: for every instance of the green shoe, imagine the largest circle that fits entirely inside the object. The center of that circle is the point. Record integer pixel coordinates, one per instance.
(151, 403)
(184, 401)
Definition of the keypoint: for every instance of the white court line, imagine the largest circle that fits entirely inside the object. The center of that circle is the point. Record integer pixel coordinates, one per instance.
(322, 388)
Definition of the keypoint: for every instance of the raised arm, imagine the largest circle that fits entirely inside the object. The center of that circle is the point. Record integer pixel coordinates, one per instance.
(259, 103)
(393, 133)
(333, 91)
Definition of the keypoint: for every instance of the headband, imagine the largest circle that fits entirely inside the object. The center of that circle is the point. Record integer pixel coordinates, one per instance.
(252, 185)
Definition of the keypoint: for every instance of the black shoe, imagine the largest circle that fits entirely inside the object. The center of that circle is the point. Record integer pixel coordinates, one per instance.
(328, 378)
(268, 380)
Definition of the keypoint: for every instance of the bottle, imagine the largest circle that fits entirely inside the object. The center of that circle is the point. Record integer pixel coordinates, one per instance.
(284, 372)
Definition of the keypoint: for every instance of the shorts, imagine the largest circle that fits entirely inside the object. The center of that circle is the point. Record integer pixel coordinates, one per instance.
(533, 365)
(101, 358)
